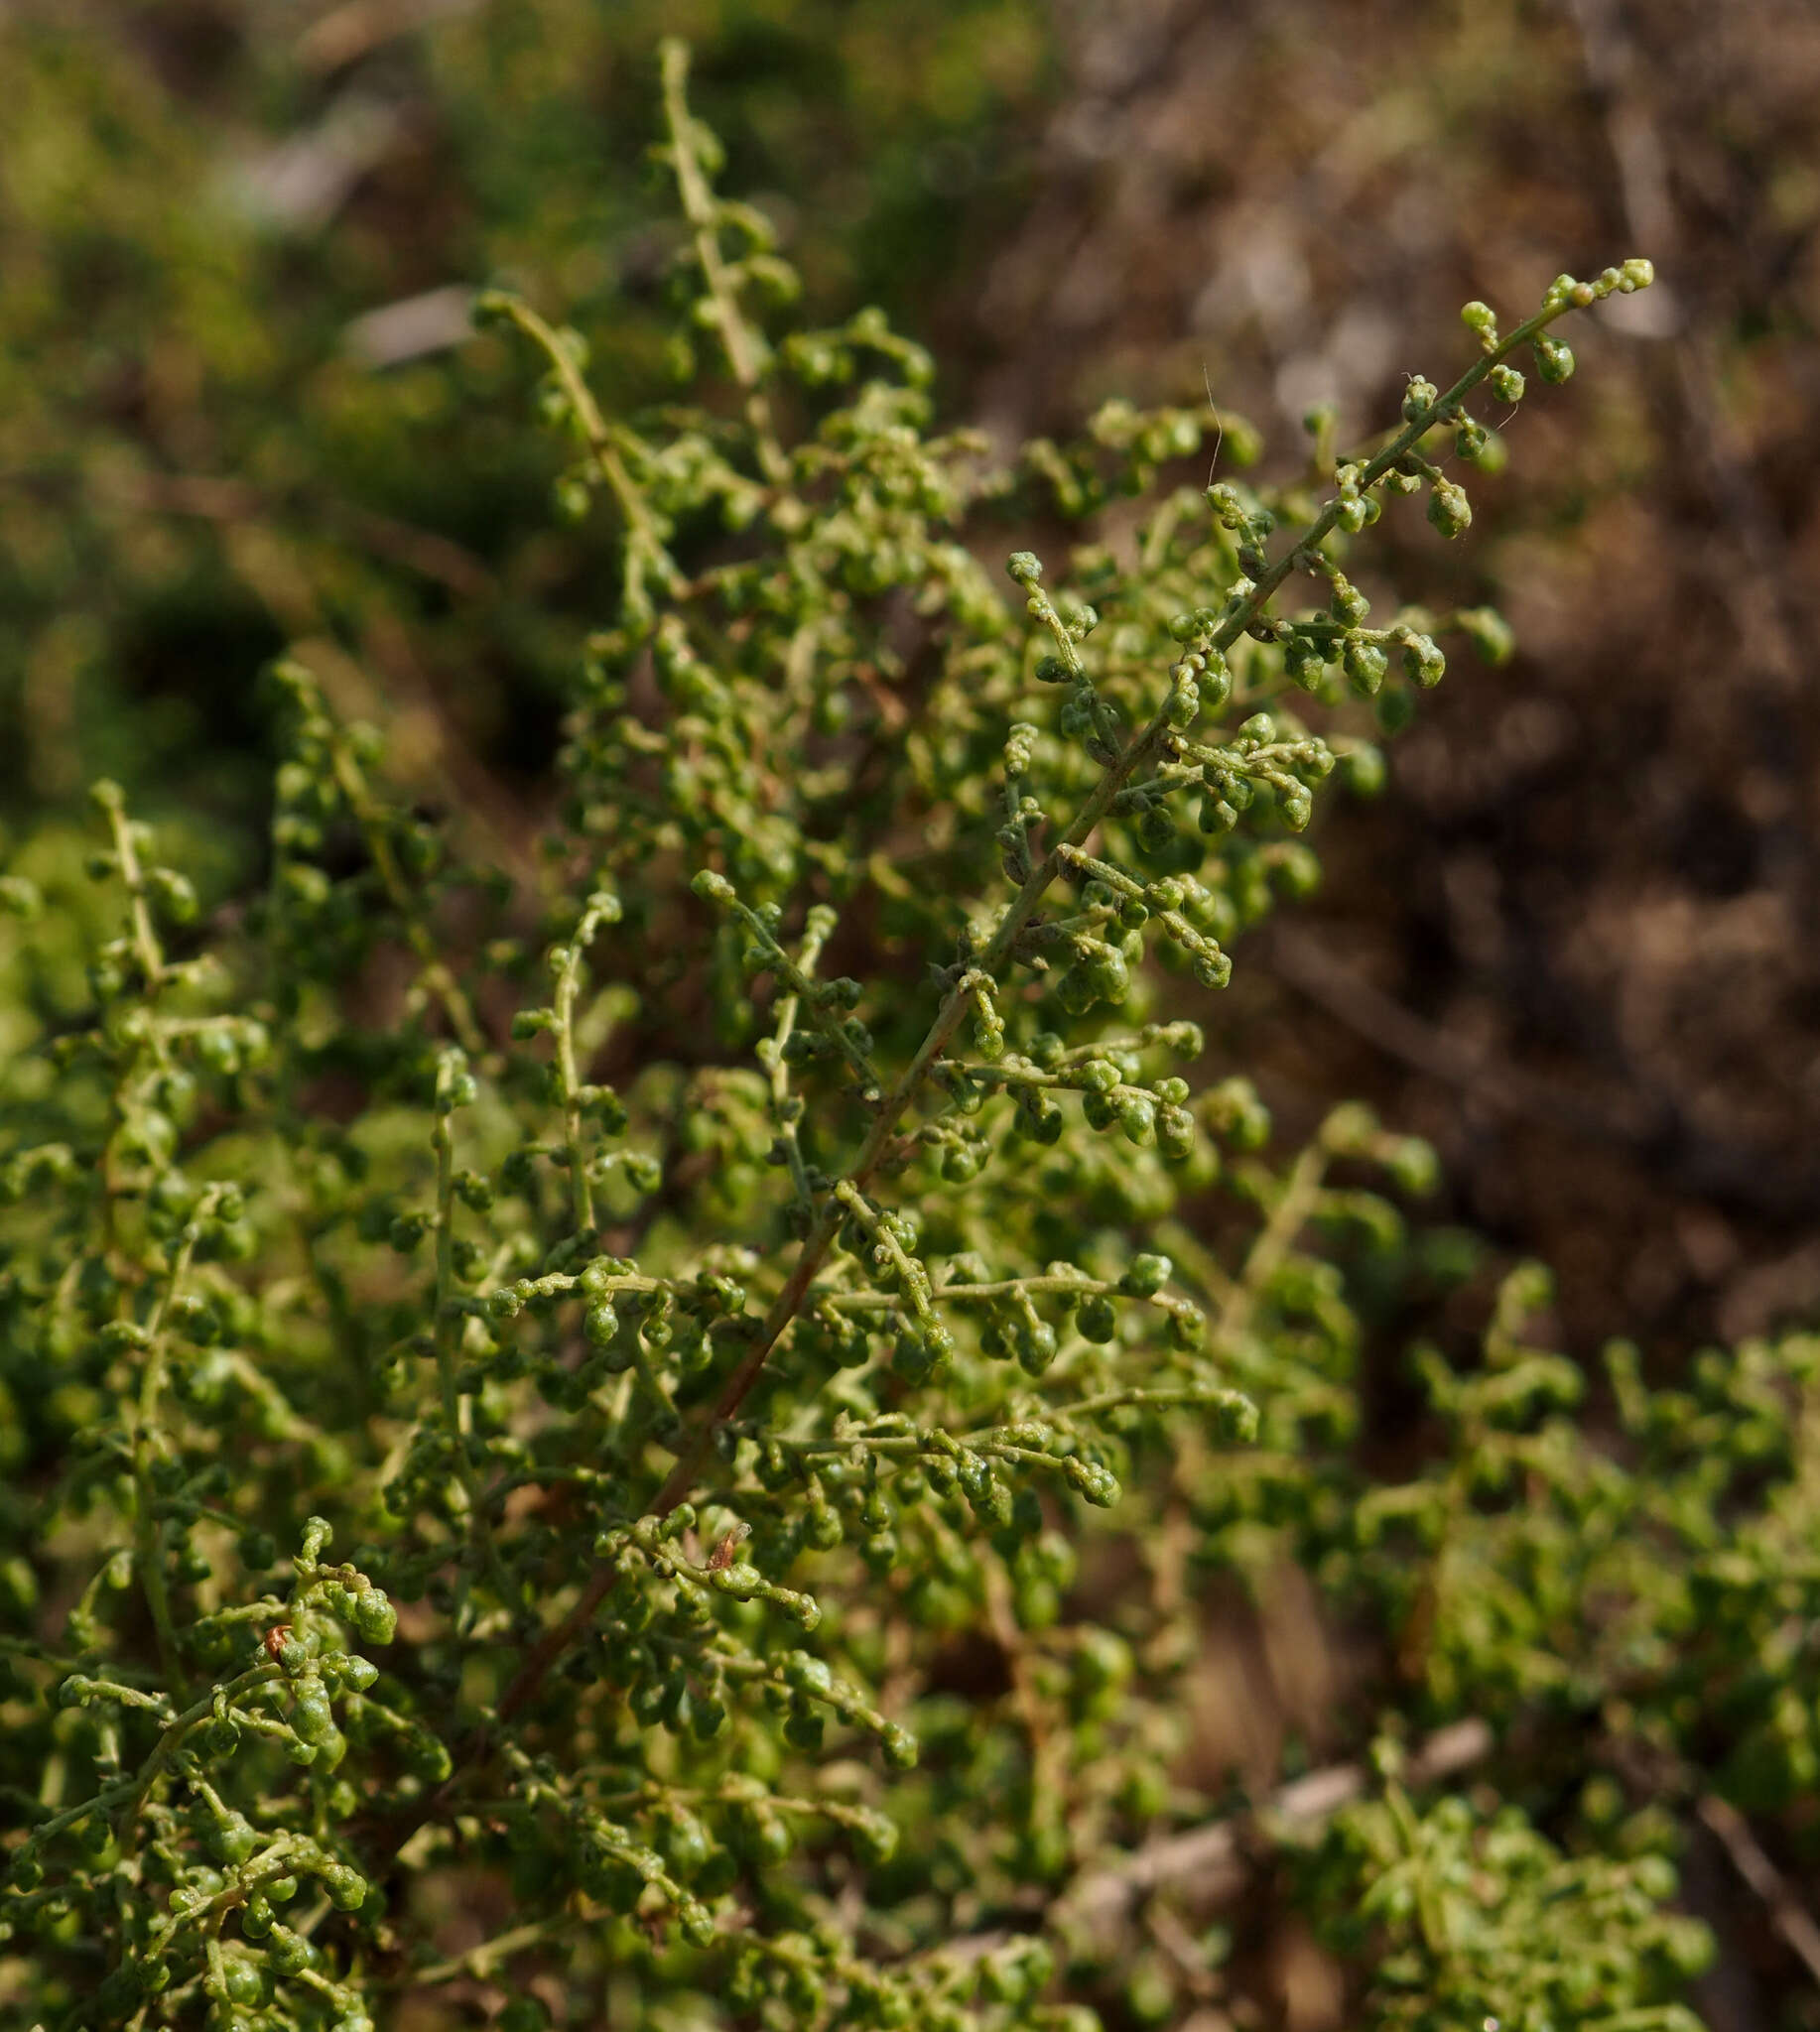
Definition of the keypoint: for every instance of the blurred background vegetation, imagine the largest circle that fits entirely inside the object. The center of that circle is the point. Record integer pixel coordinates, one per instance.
(240, 404)
(1579, 945)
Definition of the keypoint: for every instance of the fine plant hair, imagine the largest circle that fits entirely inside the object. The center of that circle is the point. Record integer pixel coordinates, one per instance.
(652, 1453)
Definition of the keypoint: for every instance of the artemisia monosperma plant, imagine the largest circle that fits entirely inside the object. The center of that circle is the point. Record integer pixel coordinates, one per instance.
(729, 1542)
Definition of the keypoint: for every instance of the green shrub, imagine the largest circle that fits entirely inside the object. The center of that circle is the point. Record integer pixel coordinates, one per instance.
(729, 1541)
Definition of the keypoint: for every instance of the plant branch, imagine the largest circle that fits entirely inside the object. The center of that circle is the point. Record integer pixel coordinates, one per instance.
(1141, 753)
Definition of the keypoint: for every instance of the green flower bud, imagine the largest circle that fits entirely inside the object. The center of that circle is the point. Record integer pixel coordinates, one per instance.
(740, 1581)
(1303, 663)
(1146, 1276)
(1418, 399)
(1447, 508)
(375, 1618)
(233, 1838)
(312, 1716)
(1187, 1328)
(874, 1836)
(1365, 664)
(1175, 1133)
(175, 896)
(1554, 361)
(1482, 321)
(1098, 1484)
(1137, 1118)
(1294, 803)
(760, 1832)
(804, 1729)
(992, 1504)
(1102, 1659)
(1297, 870)
(912, 1359)
(696, 1922)
(1183, 705)
(408, 1230)
(291, 1952)
(245, 1982)
(1036, 1347)
(345, 1889)
(1105, 969)
(1423, 662)
(900, 1747)
(1490, 633)
(1097, 1319)
(1415, 1167)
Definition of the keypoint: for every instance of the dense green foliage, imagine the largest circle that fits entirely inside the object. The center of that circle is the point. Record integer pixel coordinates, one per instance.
(731, 1539)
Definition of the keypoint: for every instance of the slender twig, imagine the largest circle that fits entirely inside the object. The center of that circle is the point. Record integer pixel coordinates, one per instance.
(1211, 1859)
(1211, 1862)
(1790, 1918)
(736, 337)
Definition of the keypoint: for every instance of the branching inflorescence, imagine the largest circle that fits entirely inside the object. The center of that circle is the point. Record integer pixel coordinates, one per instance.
(685, 1435)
